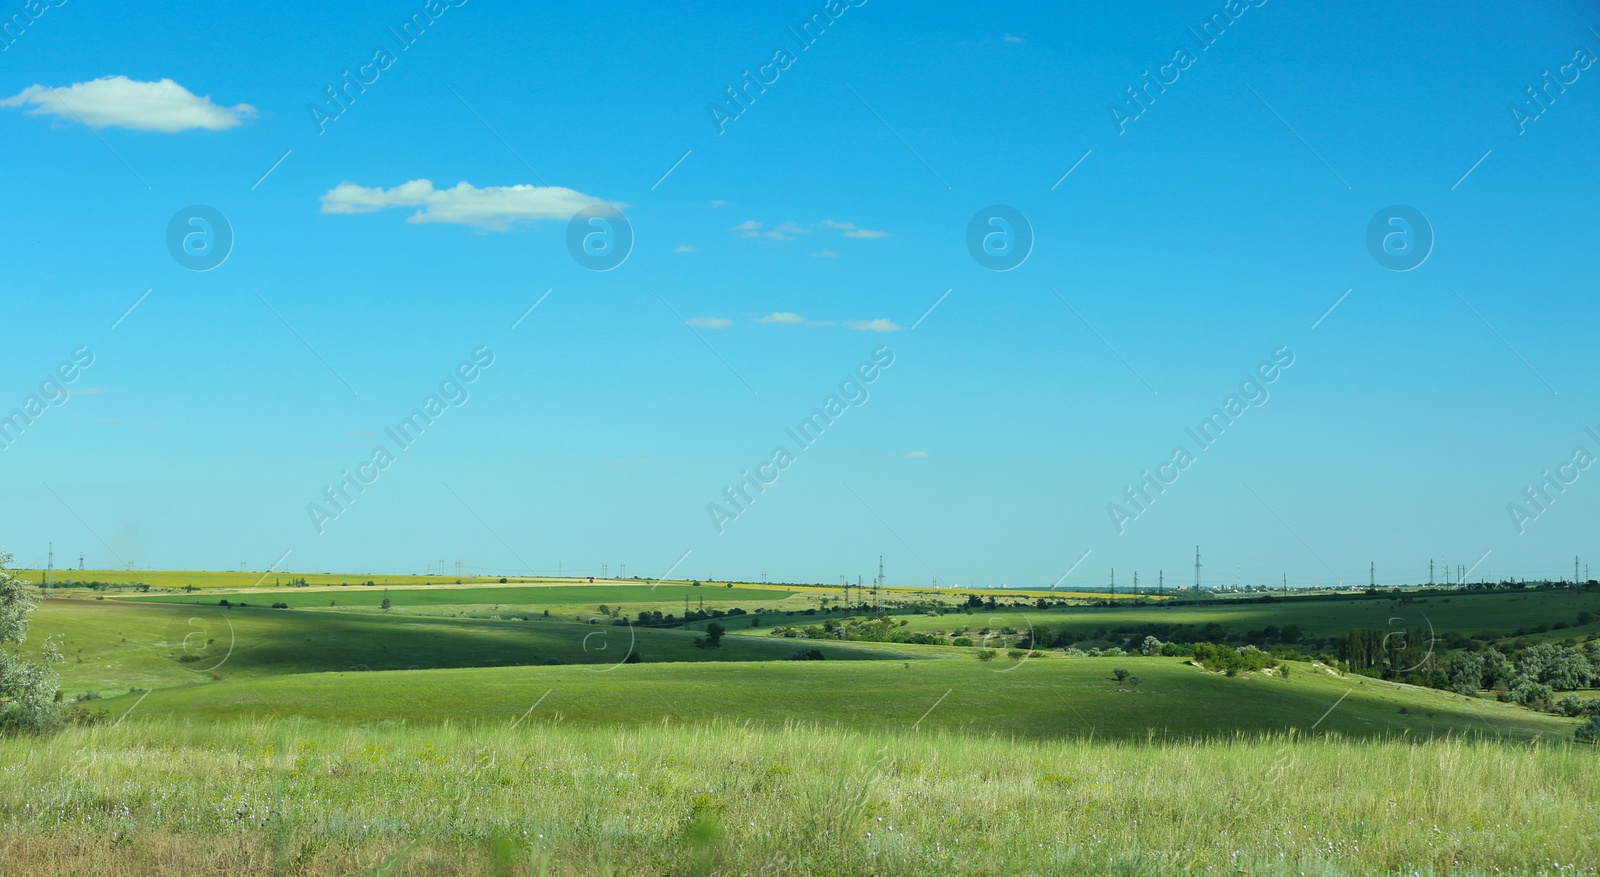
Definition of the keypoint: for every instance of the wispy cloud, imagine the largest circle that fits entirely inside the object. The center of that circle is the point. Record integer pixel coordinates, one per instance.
(709, 322)
(788, 231)
(120, 102)
(1013, 39)
(916, 455)
(826, 254)
(791, 319)
(683, 248)
(495, 208)
(879, 325)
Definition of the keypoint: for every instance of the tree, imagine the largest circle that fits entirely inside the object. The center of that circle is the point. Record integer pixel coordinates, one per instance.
(27, 690)
(1151, 646)
(714, 632)
(1496, 669)
(1466, 673)
(1588, 732)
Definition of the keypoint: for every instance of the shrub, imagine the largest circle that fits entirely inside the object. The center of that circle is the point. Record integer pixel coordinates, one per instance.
(28, 691)
(1016, 654)
(986, 654)
(632, 658)
(1531, 694)
(1588, 732)
(962, 641)
(808, 655)
(1133, 681)
(1151, 646)
(1120, 674)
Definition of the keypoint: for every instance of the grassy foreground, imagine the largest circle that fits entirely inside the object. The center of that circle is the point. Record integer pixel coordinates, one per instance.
(296, 797)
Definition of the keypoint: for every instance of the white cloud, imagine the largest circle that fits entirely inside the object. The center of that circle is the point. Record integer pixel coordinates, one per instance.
(826, 254)
(709, 322)
(719, 203)
(117, 101)
(684, 248)
(786, 318)
(1013, 39)
(916, 455)
(874, 325)
(492, 207)
(788, 231)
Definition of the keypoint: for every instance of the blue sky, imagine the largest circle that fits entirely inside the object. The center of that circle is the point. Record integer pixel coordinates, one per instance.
(1213, 230)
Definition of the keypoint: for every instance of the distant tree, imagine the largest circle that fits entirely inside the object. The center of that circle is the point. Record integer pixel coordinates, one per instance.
(1465, 672)
(1121, 674)
(1151, 646)
(1496, 669)
(1133, 681)
(714, 634)
(28, 690)
(1588, 732)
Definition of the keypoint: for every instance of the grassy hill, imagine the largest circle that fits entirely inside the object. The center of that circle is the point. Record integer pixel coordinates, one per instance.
(113, 645)
(1043, 698)
(1321, 616)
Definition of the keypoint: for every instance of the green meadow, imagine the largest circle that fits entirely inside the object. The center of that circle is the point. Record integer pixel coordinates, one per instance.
(251, 740)
(510, 596)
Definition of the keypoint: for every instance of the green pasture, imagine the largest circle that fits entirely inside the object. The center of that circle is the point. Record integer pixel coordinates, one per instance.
(508, 596)
(1039, 698)
(111, 645)
(1467, 612)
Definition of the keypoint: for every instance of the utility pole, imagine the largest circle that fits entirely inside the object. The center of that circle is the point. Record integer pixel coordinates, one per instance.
(1161, 582)
(1113, 582)
(1430, 572)
(880, 571)
(1197, 567)
(1372, 574)
(1286, 584)
(80, 563)
(1136, 583)
(1574, 570)
(51, 567)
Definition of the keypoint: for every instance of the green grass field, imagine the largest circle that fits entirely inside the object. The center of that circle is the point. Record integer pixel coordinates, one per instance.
(111, 645)
(289, 797)
(1500, 611)
(502, 595)
(271, 741)
(1042, 698)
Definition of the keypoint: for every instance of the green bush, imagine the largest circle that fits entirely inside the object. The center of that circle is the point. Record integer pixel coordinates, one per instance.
(986, 654)
(1588, 732)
